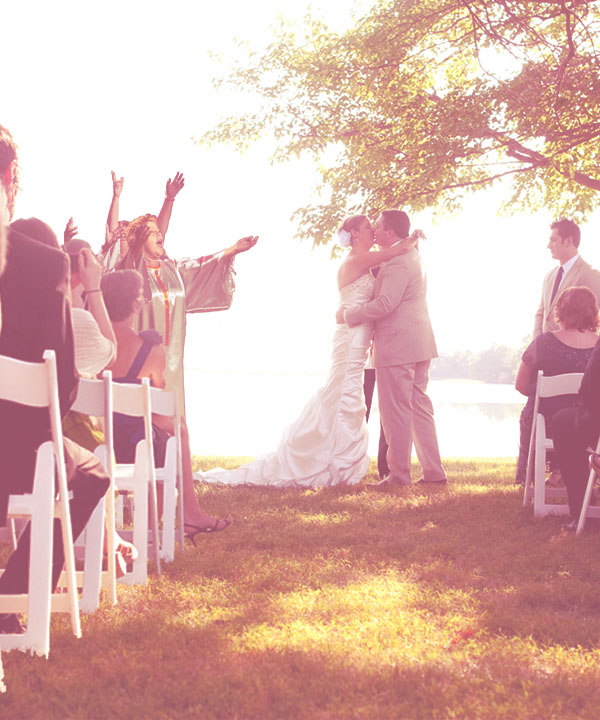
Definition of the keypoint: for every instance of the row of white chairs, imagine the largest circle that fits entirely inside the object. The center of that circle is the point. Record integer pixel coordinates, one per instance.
(35, 384)
(546, 499)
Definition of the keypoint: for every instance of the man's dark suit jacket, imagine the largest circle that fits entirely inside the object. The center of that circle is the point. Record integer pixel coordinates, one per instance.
(589, 392)
(36, 316)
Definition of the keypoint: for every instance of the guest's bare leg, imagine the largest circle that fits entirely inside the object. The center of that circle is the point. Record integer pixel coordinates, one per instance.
(193, 514)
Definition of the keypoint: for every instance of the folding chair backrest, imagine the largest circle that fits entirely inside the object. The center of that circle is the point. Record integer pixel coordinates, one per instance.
(35, 385)
(90, 398)
(553, 385)
(163, 402)
(27, 383)
(133, 400)
(129, 399)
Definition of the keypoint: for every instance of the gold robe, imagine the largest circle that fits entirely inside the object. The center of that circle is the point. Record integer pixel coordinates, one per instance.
(175, 288)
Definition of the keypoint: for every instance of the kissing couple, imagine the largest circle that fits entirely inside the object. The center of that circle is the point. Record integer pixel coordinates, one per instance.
(382, 300)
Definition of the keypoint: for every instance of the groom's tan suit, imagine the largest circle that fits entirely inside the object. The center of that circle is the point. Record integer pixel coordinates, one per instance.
(404, 348)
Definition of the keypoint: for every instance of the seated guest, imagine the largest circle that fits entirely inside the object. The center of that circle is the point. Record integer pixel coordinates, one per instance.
(566, 350)
(576, 429)
(35, 317)
(95, 343)
(94, 340)
(142, 355)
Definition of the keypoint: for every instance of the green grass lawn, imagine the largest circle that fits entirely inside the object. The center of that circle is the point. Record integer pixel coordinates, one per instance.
(436, 602)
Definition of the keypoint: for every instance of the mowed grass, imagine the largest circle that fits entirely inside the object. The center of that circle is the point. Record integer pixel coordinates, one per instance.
(436, 602)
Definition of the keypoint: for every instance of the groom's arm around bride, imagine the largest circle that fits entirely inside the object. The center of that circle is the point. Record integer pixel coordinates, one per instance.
(404, 348)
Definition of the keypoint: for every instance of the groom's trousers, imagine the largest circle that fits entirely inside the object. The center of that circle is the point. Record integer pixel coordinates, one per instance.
(407, 416)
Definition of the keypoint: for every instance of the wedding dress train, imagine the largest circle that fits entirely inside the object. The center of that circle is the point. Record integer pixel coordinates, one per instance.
(327, 445)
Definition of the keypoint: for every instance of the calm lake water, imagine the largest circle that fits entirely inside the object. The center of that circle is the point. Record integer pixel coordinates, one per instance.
(245, 414)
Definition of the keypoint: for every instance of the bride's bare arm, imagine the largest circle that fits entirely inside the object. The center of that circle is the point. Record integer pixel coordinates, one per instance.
(356, 265)
(371, 259)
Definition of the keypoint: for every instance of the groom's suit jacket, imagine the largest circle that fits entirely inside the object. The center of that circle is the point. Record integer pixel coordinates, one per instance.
(403, 333)
(580, 274)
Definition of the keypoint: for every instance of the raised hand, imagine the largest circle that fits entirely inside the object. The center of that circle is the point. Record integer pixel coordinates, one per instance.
(71, 231)
(117, 184)
(174, 186)
(245, 244)
(90, 270)
(108, 235)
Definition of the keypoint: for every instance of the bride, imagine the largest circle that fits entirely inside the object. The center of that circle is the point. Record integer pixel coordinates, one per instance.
(327, 445)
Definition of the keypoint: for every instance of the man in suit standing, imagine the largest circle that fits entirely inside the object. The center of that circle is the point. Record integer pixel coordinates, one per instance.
(404, 348)
(36, 309)
(564, 242)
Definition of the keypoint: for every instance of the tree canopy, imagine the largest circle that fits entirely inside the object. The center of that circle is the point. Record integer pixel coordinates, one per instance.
(423, 100)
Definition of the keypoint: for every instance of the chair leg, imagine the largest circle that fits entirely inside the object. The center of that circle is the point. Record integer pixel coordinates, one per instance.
(529, 476)
(539, 479)
(586, 502)
(40, 565)
(109, 527)
(69, 565)
(168, 477)
(92, 577)
(139, 574)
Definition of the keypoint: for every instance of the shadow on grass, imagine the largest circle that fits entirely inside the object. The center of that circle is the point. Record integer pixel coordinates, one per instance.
(529, 577)
(435, 602)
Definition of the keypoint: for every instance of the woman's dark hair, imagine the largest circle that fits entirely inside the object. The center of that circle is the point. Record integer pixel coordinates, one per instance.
(120, 289)
(36, 229)
(567, 228)
(577, 309)
(396, 220)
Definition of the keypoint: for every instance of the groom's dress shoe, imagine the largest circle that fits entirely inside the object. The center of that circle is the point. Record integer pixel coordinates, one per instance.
(388, 484)
(382, 486)
(426, 481)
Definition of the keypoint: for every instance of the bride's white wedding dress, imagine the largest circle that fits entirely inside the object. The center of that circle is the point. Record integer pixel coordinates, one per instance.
(327, 445)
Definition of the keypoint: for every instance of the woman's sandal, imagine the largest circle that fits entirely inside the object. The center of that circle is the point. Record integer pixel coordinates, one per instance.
(220, 524)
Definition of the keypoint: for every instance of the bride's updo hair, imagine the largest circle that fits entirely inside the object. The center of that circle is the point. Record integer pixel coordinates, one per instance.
(353, 222)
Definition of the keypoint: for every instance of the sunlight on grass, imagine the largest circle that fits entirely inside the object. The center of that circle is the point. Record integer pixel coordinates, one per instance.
(335, 604)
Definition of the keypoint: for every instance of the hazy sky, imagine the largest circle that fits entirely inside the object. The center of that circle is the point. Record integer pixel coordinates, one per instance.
(126, 85)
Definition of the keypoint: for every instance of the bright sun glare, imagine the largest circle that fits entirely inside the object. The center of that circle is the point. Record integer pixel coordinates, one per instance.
(126, 86)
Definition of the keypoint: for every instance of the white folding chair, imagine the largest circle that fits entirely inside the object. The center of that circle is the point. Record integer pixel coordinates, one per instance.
(535, 482)
(164, 403)
(35, 385)
(139, 479)
(94, 397)
(588, 510)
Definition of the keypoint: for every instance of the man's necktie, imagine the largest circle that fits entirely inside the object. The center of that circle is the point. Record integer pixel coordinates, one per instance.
(559, 277)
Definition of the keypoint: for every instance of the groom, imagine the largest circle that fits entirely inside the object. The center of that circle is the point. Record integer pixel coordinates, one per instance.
(404, 347)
